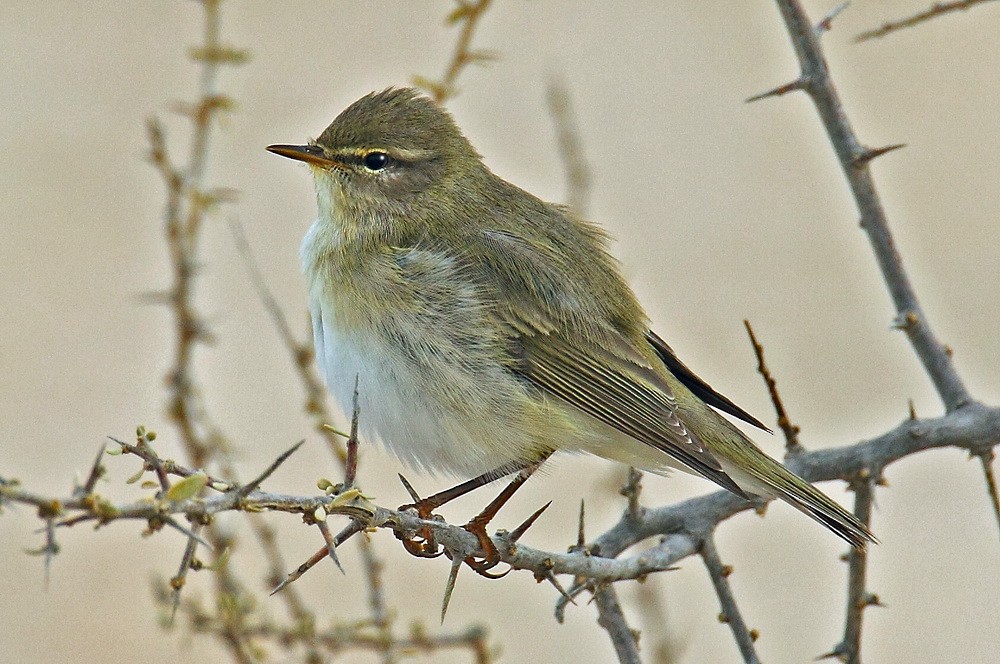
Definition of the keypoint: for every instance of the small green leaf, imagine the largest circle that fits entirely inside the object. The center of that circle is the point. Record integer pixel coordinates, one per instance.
(187, 487)
(345, 498)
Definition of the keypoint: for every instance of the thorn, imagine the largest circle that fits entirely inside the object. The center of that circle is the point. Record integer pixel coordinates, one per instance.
(836, 653)
(170, 521)
(96, 471)
(560, 612)
(409, 488)
(913, 411)
(51, 548)
(986, 458)
(551, 578)
(288, 579)
(456, 564)
(867, 154)
(827, 22)
(331, 545)
(581, 538)
(871, 599)
(797, 84)
(246, 490)
(527, 523)
(301, 569)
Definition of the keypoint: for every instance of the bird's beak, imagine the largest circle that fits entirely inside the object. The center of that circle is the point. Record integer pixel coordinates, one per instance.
(311, 154)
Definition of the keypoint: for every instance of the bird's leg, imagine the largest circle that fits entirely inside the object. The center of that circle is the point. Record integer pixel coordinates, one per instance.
(423, 544)
(477, 525)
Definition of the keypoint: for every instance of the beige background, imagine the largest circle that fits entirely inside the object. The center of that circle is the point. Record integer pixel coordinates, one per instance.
(723, 211)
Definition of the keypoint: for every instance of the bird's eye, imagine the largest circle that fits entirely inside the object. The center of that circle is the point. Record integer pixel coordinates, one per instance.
(376, 161)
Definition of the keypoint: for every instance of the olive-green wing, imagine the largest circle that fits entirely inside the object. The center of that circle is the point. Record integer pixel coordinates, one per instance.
(626, 396)
(698, 387)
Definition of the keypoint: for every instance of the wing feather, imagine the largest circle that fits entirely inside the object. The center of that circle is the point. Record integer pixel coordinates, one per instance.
(626, 396)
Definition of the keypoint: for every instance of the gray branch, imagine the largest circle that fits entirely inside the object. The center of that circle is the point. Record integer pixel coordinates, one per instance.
(854, 159)
(730, 613)
(612, 619)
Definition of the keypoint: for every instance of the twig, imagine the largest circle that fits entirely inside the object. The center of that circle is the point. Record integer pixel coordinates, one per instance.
(937, 9)
(854, 160)
(468, 13)
(302, 617)
(791, 431)
(858, 597)
(252, 486)
(97, 471)
(376, 599)
(350, 530)
(826, 23)
(351, 463)
(730, 614)
(301, 352)
(986, 458)
(631, 490)
(659, 640)
(684, 524)
(178, 581)
(570, 146)
(609, 616)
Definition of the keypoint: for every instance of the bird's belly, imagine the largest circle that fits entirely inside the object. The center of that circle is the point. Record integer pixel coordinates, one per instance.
(397, 407)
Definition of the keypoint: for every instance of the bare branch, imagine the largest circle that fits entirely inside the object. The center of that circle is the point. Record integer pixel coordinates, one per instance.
(791, 430)
(730, 614)
(570, 147)
(301, 352)
(610, 617)
(853, 160)
(858, 597)
(178, 581)
(468, 13)
(936, 10)
(986, 458)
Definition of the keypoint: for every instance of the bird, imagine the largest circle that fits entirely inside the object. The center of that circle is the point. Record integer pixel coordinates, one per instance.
(486, 329)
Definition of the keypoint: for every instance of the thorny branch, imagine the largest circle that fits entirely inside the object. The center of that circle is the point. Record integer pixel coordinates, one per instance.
(858, 597)
(854, 160)
(610, 616)
(685, 529)
(730, 613)
(188, 204)
(684, 525)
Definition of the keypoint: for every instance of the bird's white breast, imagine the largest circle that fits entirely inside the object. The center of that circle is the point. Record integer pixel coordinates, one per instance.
(395, 408)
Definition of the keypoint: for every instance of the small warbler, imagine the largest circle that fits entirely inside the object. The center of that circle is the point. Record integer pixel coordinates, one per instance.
(487, 329)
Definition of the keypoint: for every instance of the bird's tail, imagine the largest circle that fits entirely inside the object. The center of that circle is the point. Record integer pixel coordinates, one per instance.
(770, 478)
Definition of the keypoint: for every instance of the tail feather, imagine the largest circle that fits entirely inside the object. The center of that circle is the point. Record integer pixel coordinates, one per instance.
(813, 502)
(782, 483)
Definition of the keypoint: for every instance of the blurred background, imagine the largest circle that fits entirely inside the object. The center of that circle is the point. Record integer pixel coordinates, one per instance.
(722, 211)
